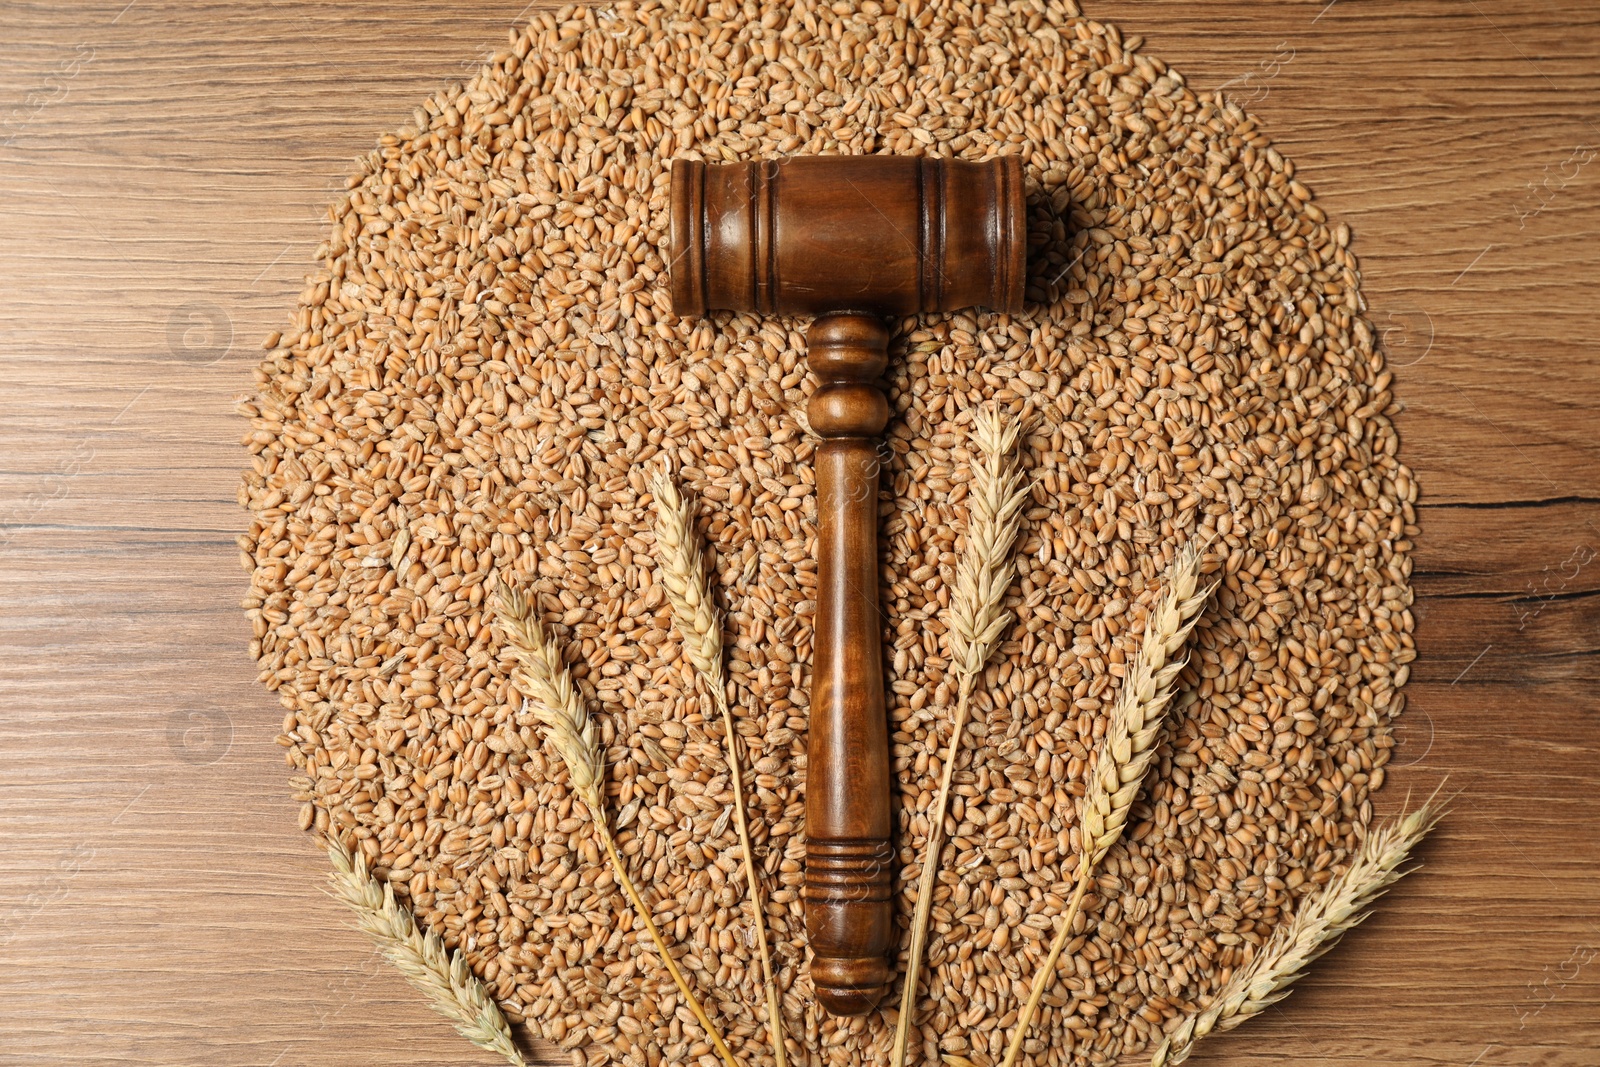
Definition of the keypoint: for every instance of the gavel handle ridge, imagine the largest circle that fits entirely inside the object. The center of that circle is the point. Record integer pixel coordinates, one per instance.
(848, 239)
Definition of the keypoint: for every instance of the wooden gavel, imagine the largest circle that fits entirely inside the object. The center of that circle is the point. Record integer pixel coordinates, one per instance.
(849, 239)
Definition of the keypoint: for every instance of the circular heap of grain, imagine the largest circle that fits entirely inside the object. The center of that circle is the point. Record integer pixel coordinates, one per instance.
(485, 369)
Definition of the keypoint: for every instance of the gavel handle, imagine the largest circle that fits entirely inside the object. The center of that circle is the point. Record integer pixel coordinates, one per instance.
(849, 860)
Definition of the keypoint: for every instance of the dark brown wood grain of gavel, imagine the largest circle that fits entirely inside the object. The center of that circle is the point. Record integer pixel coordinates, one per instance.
(849, 240)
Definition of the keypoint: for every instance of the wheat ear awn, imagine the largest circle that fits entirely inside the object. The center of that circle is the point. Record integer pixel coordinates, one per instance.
(683, 572)
(976, 621)
(551, 698)
(443, 977)
(1318, 923)
(1125, 752)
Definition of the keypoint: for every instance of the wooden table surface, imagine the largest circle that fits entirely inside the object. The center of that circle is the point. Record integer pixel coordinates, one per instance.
(163, 169)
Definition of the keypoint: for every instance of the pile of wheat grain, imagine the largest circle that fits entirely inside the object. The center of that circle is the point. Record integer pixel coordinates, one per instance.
(484, 371)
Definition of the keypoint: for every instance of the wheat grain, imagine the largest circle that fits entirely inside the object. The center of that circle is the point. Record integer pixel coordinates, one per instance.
(1318, 923)
(484, 366)
(1126, 751)
(553, 700)
(443, 977)
(976, 621)
(683, 573)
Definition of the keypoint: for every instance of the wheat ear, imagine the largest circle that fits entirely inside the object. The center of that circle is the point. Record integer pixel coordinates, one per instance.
(1126, 751)
(444, 978)
(976, 621)
(1318, 923)
(683, 572)
(542, 678)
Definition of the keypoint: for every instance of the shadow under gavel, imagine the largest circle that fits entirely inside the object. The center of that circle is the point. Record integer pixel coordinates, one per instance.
(850, 240)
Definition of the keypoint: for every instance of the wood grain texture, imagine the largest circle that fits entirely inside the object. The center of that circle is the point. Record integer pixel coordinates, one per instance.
(849, 880)
(163, 169)
(811, 235)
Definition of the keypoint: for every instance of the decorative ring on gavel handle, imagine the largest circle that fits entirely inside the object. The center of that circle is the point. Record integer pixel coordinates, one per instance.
(848, 239)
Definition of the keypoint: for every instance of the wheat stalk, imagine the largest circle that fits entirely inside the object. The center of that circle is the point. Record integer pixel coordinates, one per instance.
(683, 573)
(1317, 925)
(551, 698)
(1126, 751)
(444, 978)
(976, 622)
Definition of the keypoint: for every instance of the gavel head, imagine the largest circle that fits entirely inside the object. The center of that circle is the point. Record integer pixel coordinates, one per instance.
(891, 235)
